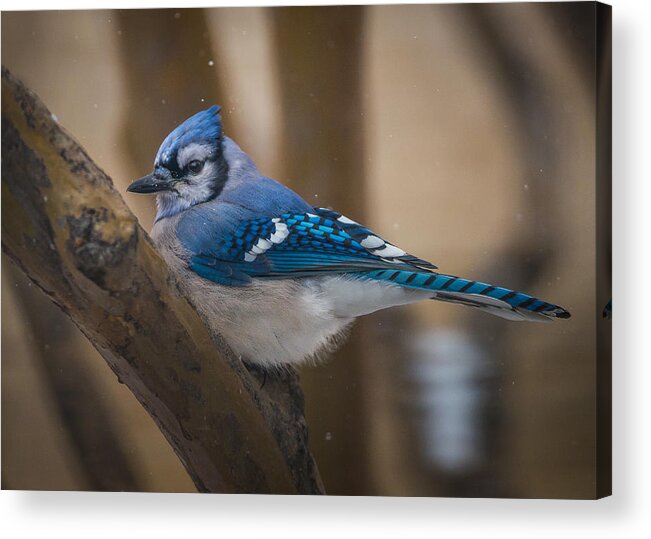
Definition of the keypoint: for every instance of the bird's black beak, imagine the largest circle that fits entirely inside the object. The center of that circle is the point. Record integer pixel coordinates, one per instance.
(150, 184)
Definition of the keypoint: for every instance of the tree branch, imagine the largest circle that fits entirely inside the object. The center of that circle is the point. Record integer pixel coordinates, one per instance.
(70, 231)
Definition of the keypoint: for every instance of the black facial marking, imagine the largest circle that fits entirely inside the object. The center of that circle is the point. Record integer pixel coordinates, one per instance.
(172, 165)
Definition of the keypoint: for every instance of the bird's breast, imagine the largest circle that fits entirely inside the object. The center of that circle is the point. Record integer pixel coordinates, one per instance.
(268, 322)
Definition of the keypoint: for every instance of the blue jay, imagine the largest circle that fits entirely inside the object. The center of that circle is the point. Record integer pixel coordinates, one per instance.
(278, 279)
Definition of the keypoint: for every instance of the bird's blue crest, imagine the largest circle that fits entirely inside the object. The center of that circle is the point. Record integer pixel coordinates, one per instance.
(204, 127)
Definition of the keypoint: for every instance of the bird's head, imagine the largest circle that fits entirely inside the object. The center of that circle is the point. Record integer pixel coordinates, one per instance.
(189, 167)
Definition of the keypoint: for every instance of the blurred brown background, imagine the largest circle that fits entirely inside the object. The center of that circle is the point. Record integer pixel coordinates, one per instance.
(464, 134)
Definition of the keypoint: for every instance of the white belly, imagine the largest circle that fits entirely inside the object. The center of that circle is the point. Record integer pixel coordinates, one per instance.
(276, 322)
(269, 322)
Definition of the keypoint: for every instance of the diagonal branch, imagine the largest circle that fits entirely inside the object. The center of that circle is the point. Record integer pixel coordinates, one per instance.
(69, 230)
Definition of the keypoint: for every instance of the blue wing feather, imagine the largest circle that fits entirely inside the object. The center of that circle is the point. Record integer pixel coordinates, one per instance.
(314, 244)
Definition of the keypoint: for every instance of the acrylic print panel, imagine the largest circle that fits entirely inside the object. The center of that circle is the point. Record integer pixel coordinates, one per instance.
(476, 137)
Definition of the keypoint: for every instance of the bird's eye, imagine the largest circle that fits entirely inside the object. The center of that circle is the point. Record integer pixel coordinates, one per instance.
(195, 166)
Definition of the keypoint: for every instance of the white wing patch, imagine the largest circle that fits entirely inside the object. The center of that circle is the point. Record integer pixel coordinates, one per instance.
(389, 251)
(372, 242)
(343, 219)
(378, 247)
(263, 244)
(280, 232)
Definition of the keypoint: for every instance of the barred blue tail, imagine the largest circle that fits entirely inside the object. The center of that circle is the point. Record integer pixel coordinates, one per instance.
(493, 299)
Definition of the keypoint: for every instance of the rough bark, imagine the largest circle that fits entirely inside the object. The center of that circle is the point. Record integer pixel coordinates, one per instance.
(70, 231)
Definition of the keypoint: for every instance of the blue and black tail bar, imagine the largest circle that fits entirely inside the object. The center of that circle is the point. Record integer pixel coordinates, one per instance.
(494, 299)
